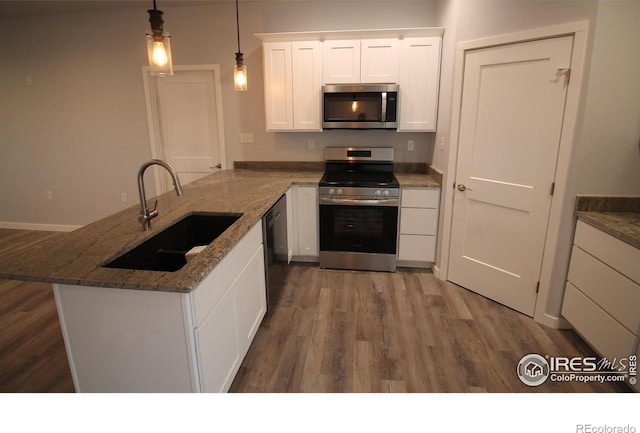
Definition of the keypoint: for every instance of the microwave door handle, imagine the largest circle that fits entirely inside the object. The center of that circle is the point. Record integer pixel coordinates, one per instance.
(384, 107)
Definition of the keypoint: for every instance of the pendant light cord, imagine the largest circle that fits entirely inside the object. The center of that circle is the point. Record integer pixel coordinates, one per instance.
(237, 24)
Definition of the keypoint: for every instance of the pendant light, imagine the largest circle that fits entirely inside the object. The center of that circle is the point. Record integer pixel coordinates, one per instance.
(239, 70)
(158, 45)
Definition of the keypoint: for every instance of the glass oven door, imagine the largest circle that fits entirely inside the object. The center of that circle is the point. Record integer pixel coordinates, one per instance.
(358, 228)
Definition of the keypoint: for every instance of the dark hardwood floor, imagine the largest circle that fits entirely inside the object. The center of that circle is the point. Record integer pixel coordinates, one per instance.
(332, 331)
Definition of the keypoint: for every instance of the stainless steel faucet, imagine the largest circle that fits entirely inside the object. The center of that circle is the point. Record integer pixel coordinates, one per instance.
(147, 215)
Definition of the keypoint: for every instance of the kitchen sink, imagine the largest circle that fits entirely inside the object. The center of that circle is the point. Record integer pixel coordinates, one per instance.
(166, 250)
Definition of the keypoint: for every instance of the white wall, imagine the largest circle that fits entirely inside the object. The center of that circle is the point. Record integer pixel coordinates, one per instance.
(80, 129)
(608, 152)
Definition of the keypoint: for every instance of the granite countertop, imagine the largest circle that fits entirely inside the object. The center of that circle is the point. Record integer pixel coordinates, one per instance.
(617, 216)
(417, 180)
(77, 257)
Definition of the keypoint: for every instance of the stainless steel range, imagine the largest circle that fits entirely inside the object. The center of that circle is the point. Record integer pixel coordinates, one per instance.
(358, 198)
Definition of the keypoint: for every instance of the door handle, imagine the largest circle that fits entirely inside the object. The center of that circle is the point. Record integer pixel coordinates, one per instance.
(461, 187)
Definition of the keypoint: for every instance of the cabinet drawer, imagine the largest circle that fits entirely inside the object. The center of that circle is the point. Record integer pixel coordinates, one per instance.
(420, 197)
(417, 248)
(415, 221)
(612, 291)
(608, 337)
(617, 254)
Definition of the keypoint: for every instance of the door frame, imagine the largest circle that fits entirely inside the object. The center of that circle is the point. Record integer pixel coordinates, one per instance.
(559, 235)
(155, 132)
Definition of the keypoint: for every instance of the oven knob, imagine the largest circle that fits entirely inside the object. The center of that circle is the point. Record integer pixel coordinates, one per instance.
(378, 192)
(332, 191)
(339, 191)
(385, 192)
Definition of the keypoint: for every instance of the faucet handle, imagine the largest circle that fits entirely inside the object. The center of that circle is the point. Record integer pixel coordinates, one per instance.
(155, 206)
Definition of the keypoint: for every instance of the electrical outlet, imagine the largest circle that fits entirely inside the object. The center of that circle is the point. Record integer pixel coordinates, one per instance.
(441, 144)
(29, 80)
(49, 195)
(410, 145)
(124, 197)
(246, 137)
(311, 144)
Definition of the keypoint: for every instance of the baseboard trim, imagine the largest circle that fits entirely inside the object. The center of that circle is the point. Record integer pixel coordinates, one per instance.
(556, 322)
(40, 227)
(436, 272)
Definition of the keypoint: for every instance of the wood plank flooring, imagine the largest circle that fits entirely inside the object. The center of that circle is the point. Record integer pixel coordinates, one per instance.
(332, 331)
(344, 331)
(32, 353)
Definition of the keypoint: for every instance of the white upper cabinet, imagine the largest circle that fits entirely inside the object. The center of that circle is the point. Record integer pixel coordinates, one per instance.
(361, 61)
(296, 65)
(292, 85)
(307, 85)
(278, 86)
(380, 60)
(419, 80)
(341, 62)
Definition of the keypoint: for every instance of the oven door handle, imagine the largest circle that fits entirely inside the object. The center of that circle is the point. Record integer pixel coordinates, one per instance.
(359, 201)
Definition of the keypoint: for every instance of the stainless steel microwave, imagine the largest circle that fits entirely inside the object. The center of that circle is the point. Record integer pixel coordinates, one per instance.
(360, 106)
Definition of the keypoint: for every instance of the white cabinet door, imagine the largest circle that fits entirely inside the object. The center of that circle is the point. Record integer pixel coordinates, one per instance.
(307, 85)
(306, 222)
(419, 78)
(278, 86)
(218, 346)
(224, 337)
(380, 60)
(341, 62)
(251, 299)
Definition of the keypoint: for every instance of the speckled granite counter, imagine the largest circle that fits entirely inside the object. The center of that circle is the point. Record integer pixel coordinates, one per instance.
(617, 216)
(77, 257)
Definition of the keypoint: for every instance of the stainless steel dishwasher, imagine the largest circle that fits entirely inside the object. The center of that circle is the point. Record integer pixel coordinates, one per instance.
(274, 238)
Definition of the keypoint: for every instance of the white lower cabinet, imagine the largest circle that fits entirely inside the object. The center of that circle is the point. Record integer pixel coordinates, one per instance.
(418, 226)
(120, 340)
(224, 337)
(603, 293)
(304, 223)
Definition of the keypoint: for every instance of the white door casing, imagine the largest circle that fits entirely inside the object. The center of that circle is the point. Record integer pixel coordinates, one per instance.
(185, 122)
(510, 129)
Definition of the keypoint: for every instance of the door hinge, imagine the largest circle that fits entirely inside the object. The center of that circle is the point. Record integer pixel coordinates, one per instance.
(553, 188)
(538, 287)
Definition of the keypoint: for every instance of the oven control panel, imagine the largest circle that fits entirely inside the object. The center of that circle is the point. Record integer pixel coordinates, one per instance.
(359, 192)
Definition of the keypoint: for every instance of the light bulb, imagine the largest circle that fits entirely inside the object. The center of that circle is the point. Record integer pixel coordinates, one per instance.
(159, 55)
(354, 106)
(240, 77)
(241, 80)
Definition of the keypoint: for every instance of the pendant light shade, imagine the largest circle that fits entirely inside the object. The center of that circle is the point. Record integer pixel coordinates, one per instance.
(158, 45)
(240, 69)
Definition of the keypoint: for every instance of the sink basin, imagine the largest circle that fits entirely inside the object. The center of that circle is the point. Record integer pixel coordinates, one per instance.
(166, 250)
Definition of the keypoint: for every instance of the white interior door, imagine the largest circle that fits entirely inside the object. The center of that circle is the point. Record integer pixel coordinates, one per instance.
(510, 125)
(187, 121)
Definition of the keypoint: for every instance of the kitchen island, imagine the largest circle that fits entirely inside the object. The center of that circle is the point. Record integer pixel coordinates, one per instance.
(182, 331)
